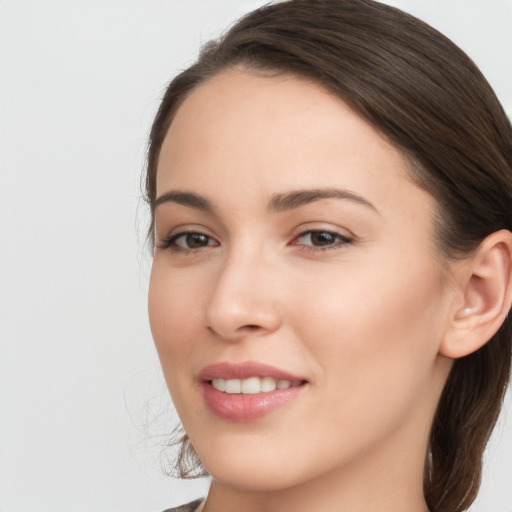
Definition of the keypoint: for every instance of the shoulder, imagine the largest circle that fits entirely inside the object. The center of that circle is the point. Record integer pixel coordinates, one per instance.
(193, 506)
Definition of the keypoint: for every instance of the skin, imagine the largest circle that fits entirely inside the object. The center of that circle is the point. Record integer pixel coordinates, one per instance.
(362, 318)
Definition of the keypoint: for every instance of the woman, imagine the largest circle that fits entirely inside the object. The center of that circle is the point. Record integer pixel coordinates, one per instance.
(330, 188)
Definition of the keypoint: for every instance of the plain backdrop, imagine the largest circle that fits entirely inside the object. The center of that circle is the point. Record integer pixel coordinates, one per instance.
(83, 407)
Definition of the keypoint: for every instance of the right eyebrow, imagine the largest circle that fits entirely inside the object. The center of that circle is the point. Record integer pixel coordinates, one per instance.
(186, 199)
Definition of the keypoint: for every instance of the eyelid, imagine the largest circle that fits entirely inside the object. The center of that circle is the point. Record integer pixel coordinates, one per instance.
(322, 226)
(343, 238)
(167, 242)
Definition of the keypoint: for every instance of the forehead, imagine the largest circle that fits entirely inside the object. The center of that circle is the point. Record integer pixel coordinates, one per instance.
(260, 135)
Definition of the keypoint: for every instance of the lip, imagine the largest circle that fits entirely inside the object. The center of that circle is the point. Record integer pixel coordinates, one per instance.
(244, 408)
(226, 370)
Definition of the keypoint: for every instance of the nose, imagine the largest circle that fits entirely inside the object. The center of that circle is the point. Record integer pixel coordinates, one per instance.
(245, 298)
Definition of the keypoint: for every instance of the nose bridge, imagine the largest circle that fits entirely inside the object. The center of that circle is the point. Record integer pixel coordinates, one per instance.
(244, 297)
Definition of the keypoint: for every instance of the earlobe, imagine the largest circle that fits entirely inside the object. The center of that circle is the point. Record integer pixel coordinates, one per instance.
(485, 284)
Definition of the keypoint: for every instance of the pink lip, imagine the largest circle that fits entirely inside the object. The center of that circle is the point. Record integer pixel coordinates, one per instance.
(243, 408)
(244, 371)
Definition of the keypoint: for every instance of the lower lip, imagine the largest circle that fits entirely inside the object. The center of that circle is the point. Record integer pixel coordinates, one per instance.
(247, 407)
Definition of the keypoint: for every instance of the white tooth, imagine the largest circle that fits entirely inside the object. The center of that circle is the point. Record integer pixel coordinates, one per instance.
(251, 386)
(219, 384)
(268, 384)
(233, 386)
(283, 384)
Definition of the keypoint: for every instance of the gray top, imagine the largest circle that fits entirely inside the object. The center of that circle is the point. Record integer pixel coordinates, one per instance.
(189, 507)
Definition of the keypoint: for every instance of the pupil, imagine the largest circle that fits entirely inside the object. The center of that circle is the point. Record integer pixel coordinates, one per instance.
(197, 240)
(322, 238)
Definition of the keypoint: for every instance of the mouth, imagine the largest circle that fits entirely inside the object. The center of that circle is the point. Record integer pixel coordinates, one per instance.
(248, 391)
(253, 385)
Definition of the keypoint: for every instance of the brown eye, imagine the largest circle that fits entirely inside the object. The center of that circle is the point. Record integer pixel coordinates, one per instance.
(195, 240)
(188, 241)
(322, 239)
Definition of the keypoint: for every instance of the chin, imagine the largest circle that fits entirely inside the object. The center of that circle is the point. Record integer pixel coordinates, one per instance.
(258, 463)
(261, 476)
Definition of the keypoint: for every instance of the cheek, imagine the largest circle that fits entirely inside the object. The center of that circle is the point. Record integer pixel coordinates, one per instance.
(174, 316)
(375, 335)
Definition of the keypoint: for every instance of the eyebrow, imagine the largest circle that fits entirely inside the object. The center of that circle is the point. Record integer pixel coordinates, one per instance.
(298, 198)
(278, 203)
(186, 199)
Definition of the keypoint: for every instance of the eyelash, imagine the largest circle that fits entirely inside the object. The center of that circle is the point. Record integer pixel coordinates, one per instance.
(170, 242)
(341, 241)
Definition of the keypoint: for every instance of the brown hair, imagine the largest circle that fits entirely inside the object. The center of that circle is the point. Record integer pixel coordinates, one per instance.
(425, 95)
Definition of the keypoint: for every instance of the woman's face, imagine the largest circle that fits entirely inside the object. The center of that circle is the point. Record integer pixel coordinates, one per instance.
(294, 251)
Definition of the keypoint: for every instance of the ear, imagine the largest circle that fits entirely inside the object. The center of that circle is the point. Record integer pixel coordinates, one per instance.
(485, 285)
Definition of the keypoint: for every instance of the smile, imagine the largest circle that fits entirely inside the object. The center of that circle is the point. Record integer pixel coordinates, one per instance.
(252, 385)
(242, 392)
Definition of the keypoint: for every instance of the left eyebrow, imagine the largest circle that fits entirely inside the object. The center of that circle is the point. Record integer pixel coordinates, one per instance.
(298, 198)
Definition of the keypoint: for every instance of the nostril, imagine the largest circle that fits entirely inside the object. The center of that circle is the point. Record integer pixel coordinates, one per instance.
(244, 328)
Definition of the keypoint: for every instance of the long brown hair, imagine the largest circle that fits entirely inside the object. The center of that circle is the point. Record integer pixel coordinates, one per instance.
(425, 95)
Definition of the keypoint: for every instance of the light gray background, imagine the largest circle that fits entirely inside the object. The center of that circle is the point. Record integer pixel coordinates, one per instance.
(82, 402)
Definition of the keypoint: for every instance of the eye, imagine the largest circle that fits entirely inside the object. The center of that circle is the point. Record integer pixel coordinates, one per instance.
(188, 241)
(319, 239)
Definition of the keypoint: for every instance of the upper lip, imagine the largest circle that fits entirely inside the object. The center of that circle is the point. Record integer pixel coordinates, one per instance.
(228, 370)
